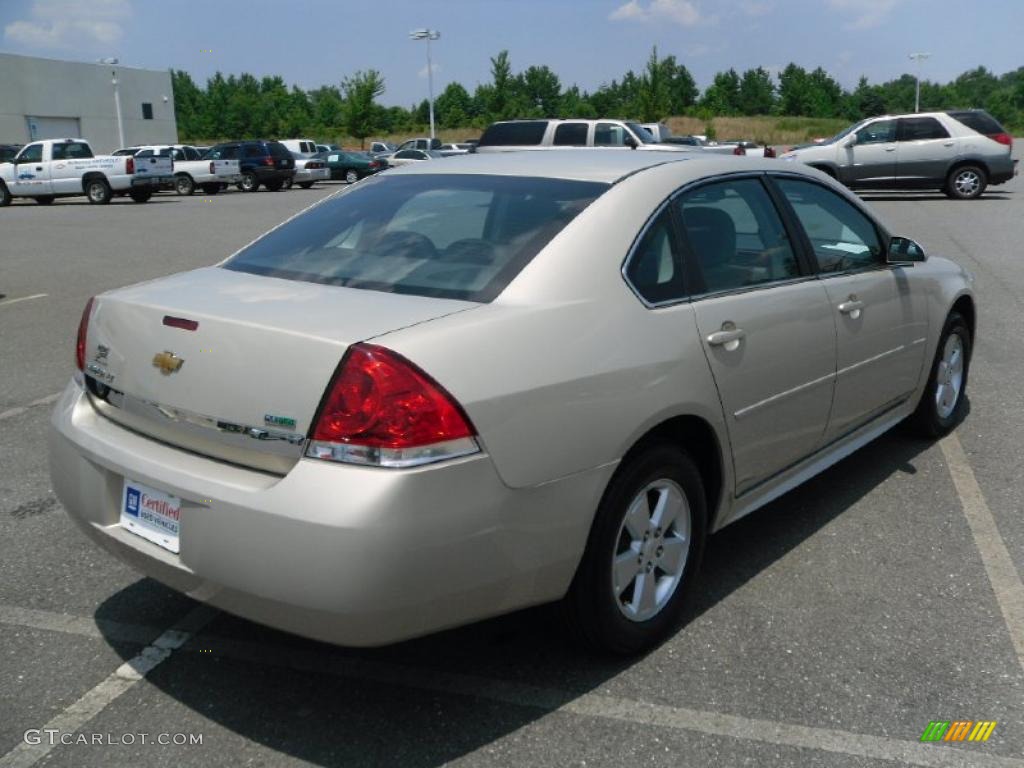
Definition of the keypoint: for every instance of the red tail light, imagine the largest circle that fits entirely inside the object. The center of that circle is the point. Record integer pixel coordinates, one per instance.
(268, 161)
(129, 165)
(380, 409)
(1002, 138)
(739, 150)
(83, 331)
(213, 168)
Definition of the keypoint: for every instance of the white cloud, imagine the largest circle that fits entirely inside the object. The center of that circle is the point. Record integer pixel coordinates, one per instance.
(70, 23)
(866, 13)
(681, 12)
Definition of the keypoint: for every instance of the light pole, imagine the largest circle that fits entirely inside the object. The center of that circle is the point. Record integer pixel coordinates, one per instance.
(117, 98)
(428, 35)
(918, 57)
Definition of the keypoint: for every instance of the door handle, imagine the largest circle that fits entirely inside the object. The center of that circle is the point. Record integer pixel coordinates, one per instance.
(728, 337)
(890, 149)
(949, 143)
(851, 306)
(39, 167)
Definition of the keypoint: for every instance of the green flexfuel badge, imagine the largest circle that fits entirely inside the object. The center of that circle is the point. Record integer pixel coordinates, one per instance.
(279, 421)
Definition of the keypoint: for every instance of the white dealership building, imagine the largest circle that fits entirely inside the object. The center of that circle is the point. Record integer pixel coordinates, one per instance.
(51, 99)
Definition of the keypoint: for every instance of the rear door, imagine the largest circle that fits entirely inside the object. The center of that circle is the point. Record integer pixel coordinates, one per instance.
(871, 160)
(924, 152)
(880, 323)
(31, 174)
(765, 322)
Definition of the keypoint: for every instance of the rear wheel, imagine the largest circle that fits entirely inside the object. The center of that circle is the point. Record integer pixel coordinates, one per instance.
(249, 182)
(966, 182)
(943, 404)
(306, 184)
(275, 186)
(45, 199)
(184, 185)
(211, 189)
(351, 176)
(5, 195)
(140, 195)
(642, 554)
(98, 191)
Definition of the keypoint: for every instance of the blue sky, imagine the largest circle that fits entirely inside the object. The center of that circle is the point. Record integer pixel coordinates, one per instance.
(587, 42)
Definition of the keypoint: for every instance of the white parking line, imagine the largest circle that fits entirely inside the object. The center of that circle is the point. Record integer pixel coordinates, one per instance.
(592, 705)
(22, 409)
(1002, 574)
(120, 680)
(8, 302)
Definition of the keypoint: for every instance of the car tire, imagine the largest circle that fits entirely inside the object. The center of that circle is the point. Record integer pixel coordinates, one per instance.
(274, 186)
(306, 184)
(249, 182)
(966, 182)
(98, 191)
(624, 605)
(5, 195)
(211, 189)
(45, 199)
(943, 404)
(140, 195)
(351, 176)
(286, 184)
(184, 185)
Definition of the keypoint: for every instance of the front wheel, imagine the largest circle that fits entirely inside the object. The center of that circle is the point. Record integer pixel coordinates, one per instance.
(184, 185)
(966, 182)
(98, 191)
(351, 176)
(140, 195)
(642, 555)
(249, 182)
(943, 404)
(5, 195)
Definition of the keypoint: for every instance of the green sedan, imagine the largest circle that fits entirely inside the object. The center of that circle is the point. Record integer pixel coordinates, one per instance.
(350, 166)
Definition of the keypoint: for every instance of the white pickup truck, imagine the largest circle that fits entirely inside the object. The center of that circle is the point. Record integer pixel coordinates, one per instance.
(46, 170)
(192, 171)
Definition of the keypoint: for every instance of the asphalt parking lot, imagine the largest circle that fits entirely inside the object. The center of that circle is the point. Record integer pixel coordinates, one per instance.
(831, 627)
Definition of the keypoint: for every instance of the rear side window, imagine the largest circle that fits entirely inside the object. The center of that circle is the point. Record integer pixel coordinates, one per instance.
(72, 150)
(446, 235)
(522, 133)
(253, 150)
(736, 235)
(842, 237)
(978, 120)
(655, 269)
(571, 135)
(921, 128)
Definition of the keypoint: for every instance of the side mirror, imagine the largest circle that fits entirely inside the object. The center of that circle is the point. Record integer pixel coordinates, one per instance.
(850, 140)
(630, 142)
(903, 250)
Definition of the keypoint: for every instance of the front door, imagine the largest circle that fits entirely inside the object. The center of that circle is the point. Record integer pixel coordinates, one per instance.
(31, 174)
(880, 324)
(924, 152)
(871, 160)
(766, 325)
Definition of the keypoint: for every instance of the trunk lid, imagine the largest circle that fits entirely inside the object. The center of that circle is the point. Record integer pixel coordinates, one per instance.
(245, 384)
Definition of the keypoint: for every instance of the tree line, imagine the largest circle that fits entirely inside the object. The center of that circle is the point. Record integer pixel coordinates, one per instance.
(245, 107)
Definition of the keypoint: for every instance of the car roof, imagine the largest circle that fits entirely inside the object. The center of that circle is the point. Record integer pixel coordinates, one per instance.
(582, 164)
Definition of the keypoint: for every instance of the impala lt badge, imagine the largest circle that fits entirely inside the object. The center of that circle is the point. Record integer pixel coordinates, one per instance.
(167, 362)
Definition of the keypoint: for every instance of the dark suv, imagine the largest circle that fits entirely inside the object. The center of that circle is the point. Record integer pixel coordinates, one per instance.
(267, 163)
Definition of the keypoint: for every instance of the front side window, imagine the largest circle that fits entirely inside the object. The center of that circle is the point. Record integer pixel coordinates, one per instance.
(33, 153)
(571, 135)
(921, 128)
(655, 269)
(842, 237)
(446, 235)
(878, 132)
(609, 135)
(736, 236)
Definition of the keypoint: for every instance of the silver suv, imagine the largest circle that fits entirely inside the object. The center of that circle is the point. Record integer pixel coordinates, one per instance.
(959, 152)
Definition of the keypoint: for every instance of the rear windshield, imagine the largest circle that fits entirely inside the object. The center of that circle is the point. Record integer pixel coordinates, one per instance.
(523, 133)
(445, 235)
(982, 122)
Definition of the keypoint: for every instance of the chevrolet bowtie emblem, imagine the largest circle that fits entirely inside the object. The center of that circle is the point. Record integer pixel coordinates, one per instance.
(167, 362)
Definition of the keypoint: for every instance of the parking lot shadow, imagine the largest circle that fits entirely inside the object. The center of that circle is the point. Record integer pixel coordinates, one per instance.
(295, 697)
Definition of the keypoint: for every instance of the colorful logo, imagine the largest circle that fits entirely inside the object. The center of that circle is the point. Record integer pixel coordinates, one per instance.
(131, 502)
(958, 730)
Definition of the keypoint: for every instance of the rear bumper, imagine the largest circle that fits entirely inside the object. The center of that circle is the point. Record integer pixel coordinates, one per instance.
(1002, 171)
(273, 174)
(152, 181)
(350, 555)
(314, 174)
